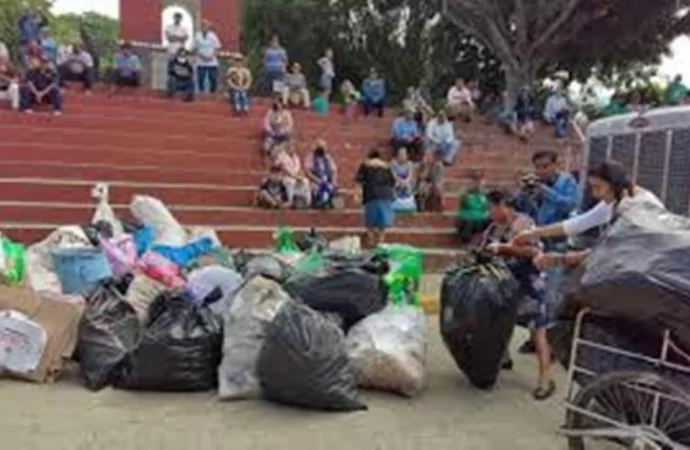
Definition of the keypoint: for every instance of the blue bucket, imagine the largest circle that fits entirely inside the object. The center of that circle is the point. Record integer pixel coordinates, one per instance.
(80, 269)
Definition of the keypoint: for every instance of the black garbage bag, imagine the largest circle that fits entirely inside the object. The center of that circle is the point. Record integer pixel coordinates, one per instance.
(640, 271)
(478, 313)
(109, 329)
(180, 349)
(352, 293)
(303, 362)
(312, 241)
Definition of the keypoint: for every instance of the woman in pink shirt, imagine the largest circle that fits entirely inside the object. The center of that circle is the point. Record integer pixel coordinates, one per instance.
(296, 184)
(459, 102)
(278, 125)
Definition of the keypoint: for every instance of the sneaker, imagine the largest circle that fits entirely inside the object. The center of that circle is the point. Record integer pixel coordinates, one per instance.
(28, 111)
(57, 113)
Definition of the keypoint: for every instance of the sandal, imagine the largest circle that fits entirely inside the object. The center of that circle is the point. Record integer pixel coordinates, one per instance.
(542, 393)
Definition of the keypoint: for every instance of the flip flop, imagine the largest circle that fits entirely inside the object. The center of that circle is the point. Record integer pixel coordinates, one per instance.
(542, 393)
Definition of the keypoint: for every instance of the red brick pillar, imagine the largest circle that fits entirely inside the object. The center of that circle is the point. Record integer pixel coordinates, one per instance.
(226, 16)
(140, 21)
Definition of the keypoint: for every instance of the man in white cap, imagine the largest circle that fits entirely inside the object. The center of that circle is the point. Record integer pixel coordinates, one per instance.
(176, 35)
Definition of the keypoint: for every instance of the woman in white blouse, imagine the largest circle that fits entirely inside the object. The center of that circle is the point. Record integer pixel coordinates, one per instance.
(613, 188)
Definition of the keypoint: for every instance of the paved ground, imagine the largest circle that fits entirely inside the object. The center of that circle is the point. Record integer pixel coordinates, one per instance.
(450, 415)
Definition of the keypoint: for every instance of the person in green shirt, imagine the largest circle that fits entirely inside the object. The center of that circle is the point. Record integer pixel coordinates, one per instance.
(320, 103)
(473, 209)
(675, 92)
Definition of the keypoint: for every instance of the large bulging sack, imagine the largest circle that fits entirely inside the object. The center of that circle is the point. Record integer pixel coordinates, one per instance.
(153, 213)
(202, 282)
(109, 330)
(268, 266)
(478, 313)
(180, 349)
(246, 322)
(303, 362)
(39, 257)
(350, 292)
(388, 350)
(640, 271)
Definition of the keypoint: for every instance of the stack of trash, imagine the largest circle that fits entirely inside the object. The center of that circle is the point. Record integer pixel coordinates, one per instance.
(154, 306)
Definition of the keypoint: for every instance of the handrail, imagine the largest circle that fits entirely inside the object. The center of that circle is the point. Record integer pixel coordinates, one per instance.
(578, 132)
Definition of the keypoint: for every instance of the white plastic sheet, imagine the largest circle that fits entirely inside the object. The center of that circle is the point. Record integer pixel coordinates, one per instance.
(246, 323)
(104, 212)
(154, 214)
(388, 350)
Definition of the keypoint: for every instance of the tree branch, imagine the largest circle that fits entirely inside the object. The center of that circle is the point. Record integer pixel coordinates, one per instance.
(521, 25)
(555, 26)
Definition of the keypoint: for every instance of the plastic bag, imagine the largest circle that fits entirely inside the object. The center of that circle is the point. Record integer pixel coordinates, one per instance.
(22, 342)
(352, 293)
(253, 309)
(141, 293)
(156, 266)
(121, 253)
(202, 282)
(109, 330)
(153, 213)
(267, 266)
(312, 241)
(285, 241)
(80, 270)
(349, 245)
(180, 349)
(197, 233)
(12, 262)
(303, 362)
(104, 212)
(388, 350)
(186, 254)
(640, 271)
(39, 259)
(478, 313)
(405, 274)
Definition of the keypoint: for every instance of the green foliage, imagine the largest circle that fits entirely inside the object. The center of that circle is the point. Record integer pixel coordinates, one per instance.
(10, 11)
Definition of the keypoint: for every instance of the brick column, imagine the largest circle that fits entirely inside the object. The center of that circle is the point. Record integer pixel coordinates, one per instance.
(140, 20)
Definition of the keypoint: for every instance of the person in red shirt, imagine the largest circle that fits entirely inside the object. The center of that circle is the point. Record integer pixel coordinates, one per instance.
(9, 83)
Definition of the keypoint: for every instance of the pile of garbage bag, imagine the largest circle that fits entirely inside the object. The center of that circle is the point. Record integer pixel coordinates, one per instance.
(153, 306)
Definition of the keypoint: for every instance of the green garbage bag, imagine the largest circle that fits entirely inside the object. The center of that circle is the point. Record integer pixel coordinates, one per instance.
(285, 241)
(12, 262)
(312, 262)
(405, 274)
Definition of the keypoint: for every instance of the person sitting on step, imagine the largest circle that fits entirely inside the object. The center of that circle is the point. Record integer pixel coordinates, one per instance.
(295, 90)
(272, 192)
(278, 126)
(9, 82)
(239, 80)
(41, 87)
(77, 67)
(181, 76)
(126, 70)
(404, 172)
(296, 183)
(322, 171)
(405, 133)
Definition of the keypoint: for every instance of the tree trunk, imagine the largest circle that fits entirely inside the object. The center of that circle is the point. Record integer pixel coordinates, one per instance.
(516, 78)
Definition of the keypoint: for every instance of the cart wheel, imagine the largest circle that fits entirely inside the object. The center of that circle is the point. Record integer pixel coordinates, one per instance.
(658, 408)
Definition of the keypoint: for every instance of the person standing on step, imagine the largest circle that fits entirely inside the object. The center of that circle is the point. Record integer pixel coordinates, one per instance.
(41, 87)
(9, 82)
(327, 65)
(77, 67)
(377, 181)
(181, 76)
(275, 66)
(176, 35)
(126, 70)
(239, 79)
(207, 44)
(30, 23)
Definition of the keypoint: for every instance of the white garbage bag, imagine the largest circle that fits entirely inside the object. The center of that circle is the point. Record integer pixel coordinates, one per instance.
(388, 350)
(22, 342)
(351, 245)
(39, 258)
(246, 323)
(104, 212)
(202, 282)
(154, 214)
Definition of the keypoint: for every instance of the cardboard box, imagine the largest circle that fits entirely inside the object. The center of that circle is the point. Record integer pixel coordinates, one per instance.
(58, 315)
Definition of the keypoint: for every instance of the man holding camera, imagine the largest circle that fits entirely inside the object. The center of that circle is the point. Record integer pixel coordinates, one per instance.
(549, 196)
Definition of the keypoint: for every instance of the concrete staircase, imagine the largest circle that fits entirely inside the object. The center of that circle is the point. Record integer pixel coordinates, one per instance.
(205, 165)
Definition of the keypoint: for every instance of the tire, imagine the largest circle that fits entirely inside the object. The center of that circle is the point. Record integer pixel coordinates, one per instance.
(633, 407)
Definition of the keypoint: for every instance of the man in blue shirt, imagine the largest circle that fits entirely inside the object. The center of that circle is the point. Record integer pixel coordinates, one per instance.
(29, 24)
(126, 69)
(49, 46)
(406, 134)
(373, 93)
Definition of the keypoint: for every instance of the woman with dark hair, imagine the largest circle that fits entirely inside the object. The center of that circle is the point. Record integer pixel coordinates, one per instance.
(377, 181)
(611, 185)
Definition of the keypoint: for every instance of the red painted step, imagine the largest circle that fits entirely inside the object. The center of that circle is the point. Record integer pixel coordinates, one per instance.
(64, 214)
(18, 190)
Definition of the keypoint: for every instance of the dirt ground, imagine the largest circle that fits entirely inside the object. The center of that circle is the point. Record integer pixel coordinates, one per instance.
(449, 415)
